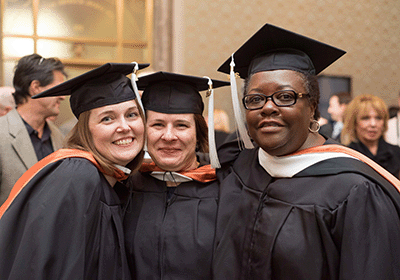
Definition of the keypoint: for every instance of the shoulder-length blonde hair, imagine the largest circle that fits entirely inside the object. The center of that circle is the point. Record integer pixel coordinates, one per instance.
(357, 108)
(80, 138)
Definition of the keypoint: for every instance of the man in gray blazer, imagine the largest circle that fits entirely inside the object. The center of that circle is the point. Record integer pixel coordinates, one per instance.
(26, 135)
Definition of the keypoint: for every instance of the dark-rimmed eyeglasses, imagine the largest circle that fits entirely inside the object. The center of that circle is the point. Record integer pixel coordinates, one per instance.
(282, 98)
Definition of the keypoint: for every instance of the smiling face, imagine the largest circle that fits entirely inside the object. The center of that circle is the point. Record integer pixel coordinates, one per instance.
(280, 130)
(171, 140)
(369, 127)
(117, 131)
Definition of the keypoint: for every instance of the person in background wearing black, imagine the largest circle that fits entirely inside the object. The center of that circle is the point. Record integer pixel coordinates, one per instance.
(337, 106)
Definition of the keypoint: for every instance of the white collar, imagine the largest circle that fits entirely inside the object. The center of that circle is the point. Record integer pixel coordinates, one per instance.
(170, 176)
(123, 169)
(288, 166)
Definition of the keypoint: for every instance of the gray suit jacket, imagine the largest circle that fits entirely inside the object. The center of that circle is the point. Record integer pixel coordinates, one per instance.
(17, 154)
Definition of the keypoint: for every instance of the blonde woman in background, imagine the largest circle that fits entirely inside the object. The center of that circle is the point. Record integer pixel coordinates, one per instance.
(366, 121)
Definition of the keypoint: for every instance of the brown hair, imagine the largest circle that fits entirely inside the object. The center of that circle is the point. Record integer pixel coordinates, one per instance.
(344, 97)
(80, 138)
(201, 133)
(312, 91)
(34, 67)
(360, 106)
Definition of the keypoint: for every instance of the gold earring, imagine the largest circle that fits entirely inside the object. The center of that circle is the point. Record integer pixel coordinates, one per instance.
(318, 126)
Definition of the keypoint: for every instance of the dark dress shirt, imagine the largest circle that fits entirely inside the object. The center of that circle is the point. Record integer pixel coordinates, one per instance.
(42, 146)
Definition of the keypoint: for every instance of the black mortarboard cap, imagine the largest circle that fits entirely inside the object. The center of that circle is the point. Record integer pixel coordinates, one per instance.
(172, 93)
(105, 85)
(274, 48)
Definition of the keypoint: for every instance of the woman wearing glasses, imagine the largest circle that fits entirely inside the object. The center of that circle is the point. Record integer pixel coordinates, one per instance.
(299, 206)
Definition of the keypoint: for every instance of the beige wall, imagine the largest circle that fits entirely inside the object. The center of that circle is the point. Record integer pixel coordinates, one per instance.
(369, 30)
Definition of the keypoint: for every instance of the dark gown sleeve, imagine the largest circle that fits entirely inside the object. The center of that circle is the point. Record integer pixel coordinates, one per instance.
(370, 241)
(321, 224)
(358, 240)
(229, 151)
(51, 230)
(230, 189)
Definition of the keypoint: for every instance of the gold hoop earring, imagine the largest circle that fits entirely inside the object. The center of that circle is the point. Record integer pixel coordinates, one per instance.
(314, 123)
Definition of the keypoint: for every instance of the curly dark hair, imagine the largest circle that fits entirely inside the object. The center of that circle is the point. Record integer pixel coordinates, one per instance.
(311, 85)
(30, 68)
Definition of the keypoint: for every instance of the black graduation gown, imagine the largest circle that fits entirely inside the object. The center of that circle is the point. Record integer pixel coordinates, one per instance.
(333, 220)
(66, 223)
(170, 238)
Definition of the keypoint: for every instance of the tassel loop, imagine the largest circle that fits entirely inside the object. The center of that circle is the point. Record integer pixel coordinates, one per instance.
(240, 123)
(134, 78)
(211, 133)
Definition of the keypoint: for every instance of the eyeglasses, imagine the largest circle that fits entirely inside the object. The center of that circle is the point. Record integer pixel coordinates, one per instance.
(282, 98)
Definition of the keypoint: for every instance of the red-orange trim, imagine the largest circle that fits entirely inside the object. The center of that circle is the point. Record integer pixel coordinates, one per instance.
(31, 172)
(342, 149)
(202, 174)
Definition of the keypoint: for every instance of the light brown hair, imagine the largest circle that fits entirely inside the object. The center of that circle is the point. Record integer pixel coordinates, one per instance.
(201, 133)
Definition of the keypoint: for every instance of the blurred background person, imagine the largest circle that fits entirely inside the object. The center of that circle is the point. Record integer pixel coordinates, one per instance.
(393, 110)
(67, 126)
(392, 134)
(25, 135)
(337, 105)
(221, 126)
(366, 121)
(7, 102)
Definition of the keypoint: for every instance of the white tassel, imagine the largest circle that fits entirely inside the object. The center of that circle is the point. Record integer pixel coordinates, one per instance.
(211, 133)
(135, 88)
(237, 111)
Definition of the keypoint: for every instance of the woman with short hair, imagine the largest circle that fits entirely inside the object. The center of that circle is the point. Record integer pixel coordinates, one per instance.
(299, 206)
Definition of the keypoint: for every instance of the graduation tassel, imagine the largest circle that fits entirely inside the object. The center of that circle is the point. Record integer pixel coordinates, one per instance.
(237, 111)
(211, 132)
(138, 97)
(135, 88)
